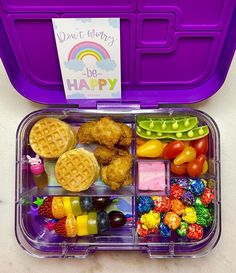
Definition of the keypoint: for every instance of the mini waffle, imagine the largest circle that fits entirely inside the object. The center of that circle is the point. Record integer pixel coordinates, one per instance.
(76, 170)
(51, 137)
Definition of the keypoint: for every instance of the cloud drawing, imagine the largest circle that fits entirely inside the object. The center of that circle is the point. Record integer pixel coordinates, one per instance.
(114, 22)
(75, 65)
(107, 64)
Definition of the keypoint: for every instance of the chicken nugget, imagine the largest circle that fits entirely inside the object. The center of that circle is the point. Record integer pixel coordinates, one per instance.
(107, 132)
(104, 155)
(84, 133)
(118, 172)
(128, 180)
(127, 136)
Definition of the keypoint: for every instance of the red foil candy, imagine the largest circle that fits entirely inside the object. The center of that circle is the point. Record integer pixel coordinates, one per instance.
(154, 231)
(176, 191)
(195, 232)
(207, 196)
(141, 231)
(162, 204)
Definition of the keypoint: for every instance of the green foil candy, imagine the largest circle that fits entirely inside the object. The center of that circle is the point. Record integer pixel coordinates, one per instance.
(204, 217)
(198, 203)
(182, 229)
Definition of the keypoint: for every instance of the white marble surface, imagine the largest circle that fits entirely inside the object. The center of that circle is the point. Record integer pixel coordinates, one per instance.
(222, 107)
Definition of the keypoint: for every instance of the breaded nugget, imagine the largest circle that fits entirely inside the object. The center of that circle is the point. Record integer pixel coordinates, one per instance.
(105, 155)
(127, 135)
(128, 180)
(84, 133)
(117, 173)
(107, 132)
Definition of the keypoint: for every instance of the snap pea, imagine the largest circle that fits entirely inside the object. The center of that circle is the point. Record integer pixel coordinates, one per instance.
(172, 125)
(195, 133)
(148, 134)
(157, 118)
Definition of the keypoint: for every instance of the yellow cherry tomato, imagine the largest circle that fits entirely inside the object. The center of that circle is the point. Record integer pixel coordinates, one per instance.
(152, 148)
(205, 167)
(187, 155)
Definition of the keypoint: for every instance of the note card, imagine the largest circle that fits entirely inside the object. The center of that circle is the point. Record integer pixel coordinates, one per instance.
(89, 55)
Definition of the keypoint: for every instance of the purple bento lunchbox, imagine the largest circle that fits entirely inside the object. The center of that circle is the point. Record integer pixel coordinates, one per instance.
(172, 52)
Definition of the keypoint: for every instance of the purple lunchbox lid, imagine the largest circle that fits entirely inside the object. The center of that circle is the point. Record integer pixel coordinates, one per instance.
(175, 52)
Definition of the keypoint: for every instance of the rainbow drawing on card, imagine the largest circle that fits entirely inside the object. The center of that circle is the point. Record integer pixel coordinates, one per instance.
(94, 79)
(88, 48)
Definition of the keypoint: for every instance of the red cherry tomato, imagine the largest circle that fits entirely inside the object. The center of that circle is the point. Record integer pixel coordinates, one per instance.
(195, 167)
(200, 145)
(173, 149)
(140, 141)
(179, 169)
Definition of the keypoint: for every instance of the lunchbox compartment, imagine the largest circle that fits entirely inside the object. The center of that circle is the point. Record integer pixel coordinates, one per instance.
(75, 119)
(32, 236)
(33, 230)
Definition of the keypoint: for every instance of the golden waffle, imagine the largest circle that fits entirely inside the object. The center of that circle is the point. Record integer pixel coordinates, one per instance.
(76, 170)
(50, 137)
(73, 138)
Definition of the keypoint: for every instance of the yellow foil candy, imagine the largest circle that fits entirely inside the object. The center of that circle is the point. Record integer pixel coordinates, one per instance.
(154, 197)
(150, 220)
(204, 181)
(189, 215)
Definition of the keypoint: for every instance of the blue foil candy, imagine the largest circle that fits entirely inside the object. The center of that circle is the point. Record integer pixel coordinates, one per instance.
(163, 216)
(188, 198)
(183, 182)
(164, 231)
(145, 204)
(173, 181)
(196, 186)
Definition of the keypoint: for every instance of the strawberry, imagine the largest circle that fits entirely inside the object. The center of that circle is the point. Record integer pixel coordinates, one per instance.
(45, 209)
(60, 227)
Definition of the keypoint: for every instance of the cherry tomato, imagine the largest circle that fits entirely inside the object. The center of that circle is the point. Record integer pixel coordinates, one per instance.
(140, 141)
(186, 143)
(173, 149)
(152, 148)
(187, 155)
(195, 167)
(179, 169)
(200, 145)
(205, 167)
